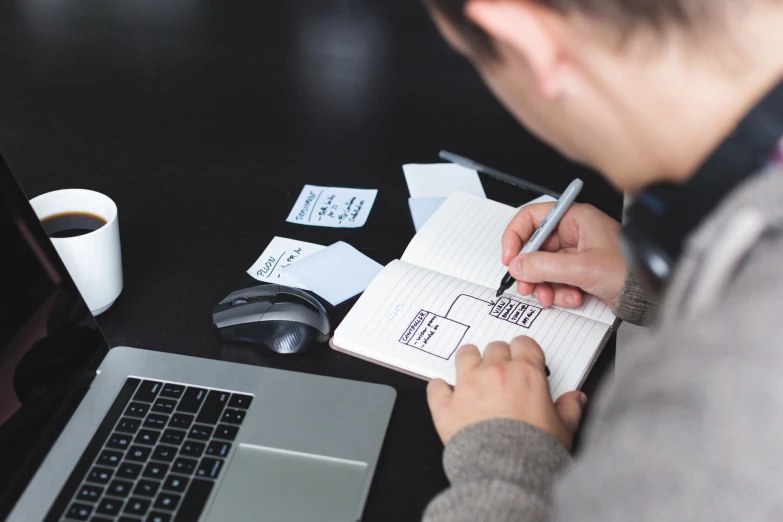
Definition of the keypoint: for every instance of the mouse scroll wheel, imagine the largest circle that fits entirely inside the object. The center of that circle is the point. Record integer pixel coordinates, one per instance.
(245, 300)
(238, 302)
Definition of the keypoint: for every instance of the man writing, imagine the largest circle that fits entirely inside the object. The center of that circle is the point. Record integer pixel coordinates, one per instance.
(680, 103)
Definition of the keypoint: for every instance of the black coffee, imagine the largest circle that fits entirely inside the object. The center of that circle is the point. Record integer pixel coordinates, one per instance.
(70, 224)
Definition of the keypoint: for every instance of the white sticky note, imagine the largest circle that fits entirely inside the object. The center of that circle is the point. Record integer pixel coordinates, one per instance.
(439, 180)
(334, 207)
(336, 273)
(541, 199)
(280, 253)
(422, 209)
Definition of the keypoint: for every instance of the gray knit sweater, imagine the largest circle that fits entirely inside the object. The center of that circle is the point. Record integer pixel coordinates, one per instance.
(693, 427)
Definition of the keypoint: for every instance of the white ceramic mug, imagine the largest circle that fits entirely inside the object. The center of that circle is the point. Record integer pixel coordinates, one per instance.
(93, 259)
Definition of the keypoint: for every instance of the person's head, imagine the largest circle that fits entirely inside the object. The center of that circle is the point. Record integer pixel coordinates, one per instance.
(639, 89)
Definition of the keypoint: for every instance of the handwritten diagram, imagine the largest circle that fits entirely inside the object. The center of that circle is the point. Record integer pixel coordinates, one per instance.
(440, 336)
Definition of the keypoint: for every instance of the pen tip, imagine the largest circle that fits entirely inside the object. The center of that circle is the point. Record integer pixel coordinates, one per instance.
(499, 293)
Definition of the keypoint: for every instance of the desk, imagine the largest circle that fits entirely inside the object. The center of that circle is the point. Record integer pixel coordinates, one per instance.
(203, 119)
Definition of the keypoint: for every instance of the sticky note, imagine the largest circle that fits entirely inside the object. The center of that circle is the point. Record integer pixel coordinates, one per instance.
(336, 273)
(422, 209)
(439, 180)
(334, 207)
(280, 253)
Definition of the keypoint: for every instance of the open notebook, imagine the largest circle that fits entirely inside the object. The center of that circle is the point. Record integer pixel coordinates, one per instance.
(441, 295)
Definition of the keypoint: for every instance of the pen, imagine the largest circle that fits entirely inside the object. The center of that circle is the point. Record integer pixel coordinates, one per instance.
(546, 227)
(495, 173)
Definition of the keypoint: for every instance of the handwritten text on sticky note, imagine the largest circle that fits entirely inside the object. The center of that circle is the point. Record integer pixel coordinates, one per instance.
(280, 253)
(332, 207)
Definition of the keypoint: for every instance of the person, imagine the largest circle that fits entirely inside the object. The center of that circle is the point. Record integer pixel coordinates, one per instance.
(651, 93)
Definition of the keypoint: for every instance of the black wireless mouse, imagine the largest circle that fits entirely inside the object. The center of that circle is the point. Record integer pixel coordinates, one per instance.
(284, 319)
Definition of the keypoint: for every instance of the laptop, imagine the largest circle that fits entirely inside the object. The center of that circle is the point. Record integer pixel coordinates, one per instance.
(130, 435)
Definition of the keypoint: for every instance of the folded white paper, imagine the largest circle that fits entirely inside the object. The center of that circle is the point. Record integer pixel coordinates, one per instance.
(334, 207)
(280, 253)
(422, 209)
(439, 180)
(336, 273)
(541, 199)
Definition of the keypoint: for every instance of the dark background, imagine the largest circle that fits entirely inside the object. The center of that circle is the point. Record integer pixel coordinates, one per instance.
(203, 119)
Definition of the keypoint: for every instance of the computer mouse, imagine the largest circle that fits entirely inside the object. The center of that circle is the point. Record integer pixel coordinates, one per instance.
(283, 319)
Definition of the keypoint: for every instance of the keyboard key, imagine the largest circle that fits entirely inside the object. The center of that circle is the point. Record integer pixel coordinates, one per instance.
(172, 391)
(137, 506)
(128, 425)
(174, 437)
(209, 468)
(138, 453)
(231, 416)
(240, 401)
(213, 407)
(157, 516)
(101, 519)
(192, 399)
(224, 431)
(176, 483)
(119, 488)
(156, 470)
(99, 475)
(218, 448)
(119, 441)
(89, 493)
(137, 409)
(109, 506)
(192, 448)
(164, 406)
(164, 453)
(167, 501)
(194, 500)
(146, 488)
(147, 391)
(149, 437)
(184, 466)
(128, 519)
(181, 420)
(129, 470)
(109, 458)
(156, 421)
(78, 511)
(200, 432)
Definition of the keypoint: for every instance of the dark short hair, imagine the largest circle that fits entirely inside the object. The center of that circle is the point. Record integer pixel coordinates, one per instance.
(624, 14)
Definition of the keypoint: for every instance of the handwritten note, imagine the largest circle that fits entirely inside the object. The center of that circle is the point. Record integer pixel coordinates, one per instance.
(332, 207)
(280, 253)
(440, 180)
(336, 273)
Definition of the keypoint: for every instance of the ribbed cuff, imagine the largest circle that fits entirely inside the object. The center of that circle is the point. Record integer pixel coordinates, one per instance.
(637, 304)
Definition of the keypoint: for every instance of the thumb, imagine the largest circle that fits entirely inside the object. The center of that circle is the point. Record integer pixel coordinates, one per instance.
(551, 267)
(570, 407)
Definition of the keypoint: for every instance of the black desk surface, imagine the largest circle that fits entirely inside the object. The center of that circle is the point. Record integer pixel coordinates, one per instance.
(203, 119)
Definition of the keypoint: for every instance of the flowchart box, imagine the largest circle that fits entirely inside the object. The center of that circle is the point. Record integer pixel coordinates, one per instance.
(434, 334)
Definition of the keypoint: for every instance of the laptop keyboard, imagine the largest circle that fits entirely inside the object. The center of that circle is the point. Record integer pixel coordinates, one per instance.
(156, 455)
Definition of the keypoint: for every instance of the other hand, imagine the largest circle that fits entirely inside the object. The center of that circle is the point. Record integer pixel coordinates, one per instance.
(508, 382)
(584, 254)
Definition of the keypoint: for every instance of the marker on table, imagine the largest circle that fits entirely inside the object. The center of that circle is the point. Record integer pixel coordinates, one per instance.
(495, 173)
(546, 227)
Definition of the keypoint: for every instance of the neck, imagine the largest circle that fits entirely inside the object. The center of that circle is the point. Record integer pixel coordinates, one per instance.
(690, 101)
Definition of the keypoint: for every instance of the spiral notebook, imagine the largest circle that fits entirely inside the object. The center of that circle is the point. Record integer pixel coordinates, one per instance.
(441, 294)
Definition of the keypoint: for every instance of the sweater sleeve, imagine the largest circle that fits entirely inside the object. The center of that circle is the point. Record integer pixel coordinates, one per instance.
(637, 304)
(500, 470)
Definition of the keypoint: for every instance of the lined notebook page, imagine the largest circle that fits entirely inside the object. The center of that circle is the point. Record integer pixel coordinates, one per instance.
(462, 239)
(415, 319)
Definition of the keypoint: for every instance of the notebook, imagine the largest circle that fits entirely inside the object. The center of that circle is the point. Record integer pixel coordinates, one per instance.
(441, 294)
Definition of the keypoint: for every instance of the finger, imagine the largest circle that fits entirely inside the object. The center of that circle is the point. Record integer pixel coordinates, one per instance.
(526, 349)
(544, 294)
(467, 359)
(525, 288)
(496, 353)
(570, 407)
(567, 296)
(521, 227)
(438, 397)
(549, 267)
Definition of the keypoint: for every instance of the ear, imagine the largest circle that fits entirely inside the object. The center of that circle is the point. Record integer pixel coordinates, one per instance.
(527, 29)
